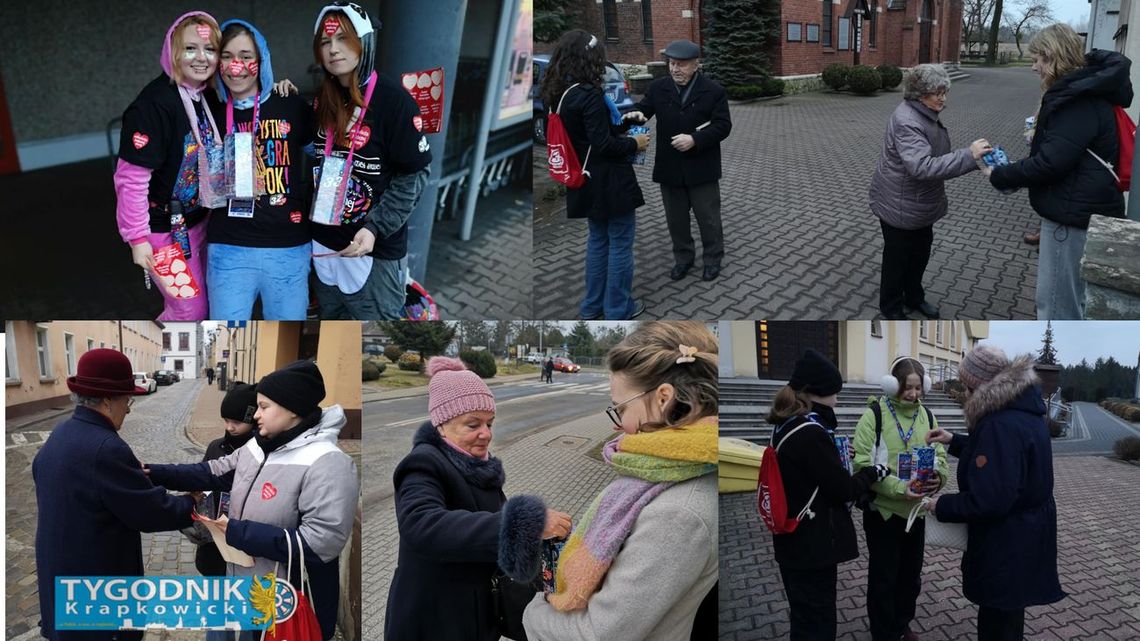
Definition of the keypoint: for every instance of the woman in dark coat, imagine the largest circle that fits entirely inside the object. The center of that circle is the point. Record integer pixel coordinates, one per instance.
(572, 86)
(1068, 184)
(803, 413)
(456, 525)
(1005, 483)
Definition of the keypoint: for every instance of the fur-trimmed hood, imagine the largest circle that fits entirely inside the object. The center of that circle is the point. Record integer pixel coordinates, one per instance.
(1004, 390)
(484, 474)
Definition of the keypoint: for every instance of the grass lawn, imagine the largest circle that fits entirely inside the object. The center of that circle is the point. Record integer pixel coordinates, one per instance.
(396, 378)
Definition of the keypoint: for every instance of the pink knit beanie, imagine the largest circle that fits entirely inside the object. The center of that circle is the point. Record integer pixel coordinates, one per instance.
(455, 390)
(981, 364)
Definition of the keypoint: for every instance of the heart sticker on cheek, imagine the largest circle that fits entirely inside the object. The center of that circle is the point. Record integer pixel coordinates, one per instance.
(331, 25)
(204, 32)
(235, 67)
(284, 128)
(252, 66)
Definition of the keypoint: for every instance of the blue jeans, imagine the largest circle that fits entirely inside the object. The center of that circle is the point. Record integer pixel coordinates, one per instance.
(381, 298)
(609, 268)
(1060, 288)
(238, 275)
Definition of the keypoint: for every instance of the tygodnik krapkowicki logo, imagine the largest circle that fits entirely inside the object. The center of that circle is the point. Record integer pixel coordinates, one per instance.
(172, 602)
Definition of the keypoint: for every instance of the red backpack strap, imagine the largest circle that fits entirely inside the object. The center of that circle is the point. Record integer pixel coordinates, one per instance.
(807, 508)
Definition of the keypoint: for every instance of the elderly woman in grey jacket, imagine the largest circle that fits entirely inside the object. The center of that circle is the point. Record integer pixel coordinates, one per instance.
(907, 191)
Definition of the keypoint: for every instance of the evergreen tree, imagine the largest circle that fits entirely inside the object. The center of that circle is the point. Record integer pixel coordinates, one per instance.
(581, 341)
(737, 35)
(552, 18)
(429, 339)
(1048, 354)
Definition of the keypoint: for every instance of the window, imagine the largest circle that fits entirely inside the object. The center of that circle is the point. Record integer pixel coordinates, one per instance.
(609, 17)
(43, 352)
(938, 332)
(844, 34)
(183, 341)
(922, 335)
(813, 33)
(178, 364)
(166, 341)
(877, 328)
(827, 9)
(953, 334)
(90, 344)
(873, 21)
(11, 362)
(102, 345)
(69, 352)
(795, 31)
(647, 20)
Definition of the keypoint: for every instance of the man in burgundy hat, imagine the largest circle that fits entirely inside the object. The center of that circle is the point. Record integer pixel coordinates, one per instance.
(92, 496)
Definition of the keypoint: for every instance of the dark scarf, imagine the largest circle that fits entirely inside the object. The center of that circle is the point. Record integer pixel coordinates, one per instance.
(231, 443)
(487, 474)
(271, 444)
(826, 416)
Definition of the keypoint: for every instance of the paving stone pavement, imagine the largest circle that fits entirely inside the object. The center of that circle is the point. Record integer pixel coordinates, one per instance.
(801, 242)
(155, 431)
(1097, 558)
(566, 479)
(490, 276)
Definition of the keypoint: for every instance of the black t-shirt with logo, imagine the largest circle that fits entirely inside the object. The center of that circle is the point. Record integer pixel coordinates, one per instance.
(156, 135)
(281, 216)
(393, 145)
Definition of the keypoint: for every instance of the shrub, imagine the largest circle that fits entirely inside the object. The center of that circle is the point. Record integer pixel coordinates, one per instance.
(772, 87)
(481, 362)
(744, 92)
(369, 371)
(864, 80)
(1127, 448)
(410, 362)
(393, 353)
(1131, 414)
(892, 76)
(835, 75)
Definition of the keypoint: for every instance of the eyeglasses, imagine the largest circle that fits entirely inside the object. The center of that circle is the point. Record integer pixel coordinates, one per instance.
(941, 94)
(615, 414)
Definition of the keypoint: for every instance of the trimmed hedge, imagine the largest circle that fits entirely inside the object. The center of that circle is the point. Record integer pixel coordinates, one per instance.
(892, 76)
(1127, 448)
(864, 80)
(743, 92)
(369, 371)
(481, 362)
(772, 87)
(393, 353)
(410, 362)
(835, 75)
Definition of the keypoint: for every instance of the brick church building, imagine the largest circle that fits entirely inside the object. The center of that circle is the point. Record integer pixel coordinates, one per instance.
(813, 33)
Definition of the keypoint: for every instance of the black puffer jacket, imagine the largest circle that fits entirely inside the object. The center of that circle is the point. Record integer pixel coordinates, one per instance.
(612, 189)
(1066, 184)
(810, 460)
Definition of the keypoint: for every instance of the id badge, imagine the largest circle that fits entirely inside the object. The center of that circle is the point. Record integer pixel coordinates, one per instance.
(332, 183)
(241, 170)
(904, 466)
(212, 176)
(241, 207)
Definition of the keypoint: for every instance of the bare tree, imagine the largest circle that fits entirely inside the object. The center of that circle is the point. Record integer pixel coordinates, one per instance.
(995, 27)
(975, 15)
(1026, 15)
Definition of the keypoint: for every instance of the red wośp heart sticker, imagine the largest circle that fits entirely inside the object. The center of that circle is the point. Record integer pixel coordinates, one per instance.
(284, 127)
(204, 32)
(331, 25)
(140, 140)
(252, 65)
(268, 491)
(235, 67)
(418, 123)
(362, 137)
(295, 216)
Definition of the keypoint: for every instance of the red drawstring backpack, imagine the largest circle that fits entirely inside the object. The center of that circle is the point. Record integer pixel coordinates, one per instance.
(560, 155)
(770, 491)
(298, 621)
(1126, 136)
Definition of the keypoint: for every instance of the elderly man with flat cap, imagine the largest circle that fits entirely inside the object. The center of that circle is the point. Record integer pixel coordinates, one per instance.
(92, 496)
(692, 119)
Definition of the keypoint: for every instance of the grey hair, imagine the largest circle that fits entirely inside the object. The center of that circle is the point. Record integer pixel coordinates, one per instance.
(85, 401)
(924, 80)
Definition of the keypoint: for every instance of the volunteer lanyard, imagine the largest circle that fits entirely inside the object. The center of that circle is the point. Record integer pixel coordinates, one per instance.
(230, 114)
(898, 424)
(356, 128)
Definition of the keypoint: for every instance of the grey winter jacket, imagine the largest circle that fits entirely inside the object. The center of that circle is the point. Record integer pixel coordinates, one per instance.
(657, 581)
(907, 190)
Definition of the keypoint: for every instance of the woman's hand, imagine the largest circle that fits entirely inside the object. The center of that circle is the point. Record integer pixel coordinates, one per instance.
(980, 147)
(285, 88)
(939, 436)
(361, 244)
(557, 525)
(930, 505)
(642, 141)
(142, 255)
(635, 116)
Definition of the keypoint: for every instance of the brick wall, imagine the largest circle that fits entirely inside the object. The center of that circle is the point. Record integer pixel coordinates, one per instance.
(630, 47)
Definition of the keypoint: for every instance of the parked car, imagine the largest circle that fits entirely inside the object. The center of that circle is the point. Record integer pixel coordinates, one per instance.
(563, 364)
(617, 88)
(535, 357)
(142, 380)
(164, 377)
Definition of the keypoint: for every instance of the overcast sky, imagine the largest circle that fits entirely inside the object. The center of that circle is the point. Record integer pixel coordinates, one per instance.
(1073, 340)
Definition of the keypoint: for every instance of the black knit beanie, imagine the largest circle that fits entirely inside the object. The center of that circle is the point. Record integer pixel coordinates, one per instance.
(240, 403)
(298, 387)
(815, 374)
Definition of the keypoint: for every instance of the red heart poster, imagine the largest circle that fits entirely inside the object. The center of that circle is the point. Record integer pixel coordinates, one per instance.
(173, 272)
(426, 87)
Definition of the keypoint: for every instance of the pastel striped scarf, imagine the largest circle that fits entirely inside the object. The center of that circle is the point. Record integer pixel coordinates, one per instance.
(649, 464)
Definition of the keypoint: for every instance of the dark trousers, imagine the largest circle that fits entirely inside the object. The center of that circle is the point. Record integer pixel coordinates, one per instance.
(905, 255)
(894, 572)
(1000, 625)
(811, 602)
(704, 201)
